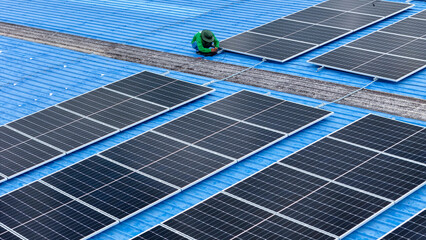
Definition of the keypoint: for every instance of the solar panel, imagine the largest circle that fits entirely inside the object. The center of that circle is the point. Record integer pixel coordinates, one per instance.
(391, 53)
(151, 167)
(68, 126)
(413, 228)
(47, 212)
(300, 32)
(323, 191)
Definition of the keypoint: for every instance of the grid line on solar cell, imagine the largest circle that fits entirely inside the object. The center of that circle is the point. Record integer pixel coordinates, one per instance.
(299, 29)
(413, 228)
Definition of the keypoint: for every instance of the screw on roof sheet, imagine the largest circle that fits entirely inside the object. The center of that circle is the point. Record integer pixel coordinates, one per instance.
(102, 75)
(50, 94)
(65, 66)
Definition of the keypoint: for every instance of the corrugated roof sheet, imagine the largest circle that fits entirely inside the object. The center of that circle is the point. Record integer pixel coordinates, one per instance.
(169, 26)
(34, 76)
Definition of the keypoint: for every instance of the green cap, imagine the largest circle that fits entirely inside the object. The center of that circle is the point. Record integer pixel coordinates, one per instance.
(207, 36)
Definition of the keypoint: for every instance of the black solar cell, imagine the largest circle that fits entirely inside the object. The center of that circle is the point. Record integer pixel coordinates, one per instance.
(415, 49)
(24, 156)
(314, 15)
(220, 217)
(391, 67)
(386, 176)
(44, 121)
(9, 138)
(380, 42)
(350, 20)
(345, 58)
(239, 140)
(281, 27)
(140, 83)
(94, 101)
(329, 158)
(288, 117)
(186, 166)
(276, 187)
(76, 134)
(195, 126)
(409, 27)
(174, 94)
(143, 150)
(246, 41)
(282, 49)
(128, 113)
(376, 132)
(335, 209)
(243, 105)
(413, 148)
(318, 34)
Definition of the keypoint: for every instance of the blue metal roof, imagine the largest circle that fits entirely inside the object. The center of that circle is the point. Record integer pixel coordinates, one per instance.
(34, 76)
(168, 25)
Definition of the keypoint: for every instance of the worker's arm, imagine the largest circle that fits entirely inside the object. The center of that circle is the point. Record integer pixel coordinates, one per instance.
(216, 42)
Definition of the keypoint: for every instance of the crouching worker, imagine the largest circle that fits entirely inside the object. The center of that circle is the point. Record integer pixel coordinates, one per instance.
(206, 43)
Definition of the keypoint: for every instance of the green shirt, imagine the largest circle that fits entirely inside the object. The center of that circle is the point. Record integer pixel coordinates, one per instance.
(201, 48)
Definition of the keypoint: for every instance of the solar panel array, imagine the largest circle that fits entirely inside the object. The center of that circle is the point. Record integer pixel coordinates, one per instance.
(98, 192)
(323, 191)
(413, 228)
(303, 31)
(392, 53)
(68, 126)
